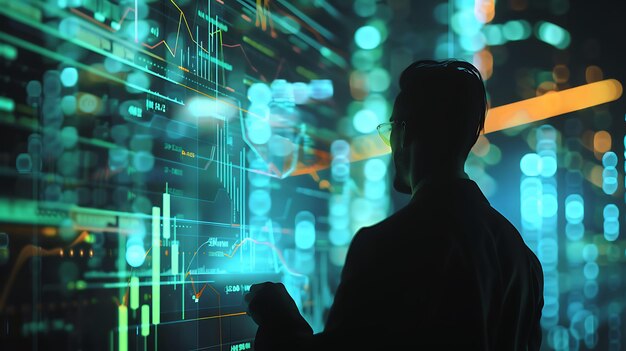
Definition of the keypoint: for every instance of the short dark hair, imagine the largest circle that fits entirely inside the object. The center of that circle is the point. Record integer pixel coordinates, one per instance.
(443, 102)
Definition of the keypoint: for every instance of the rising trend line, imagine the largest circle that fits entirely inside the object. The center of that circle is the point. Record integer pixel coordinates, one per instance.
(31, 251)
(264, 243)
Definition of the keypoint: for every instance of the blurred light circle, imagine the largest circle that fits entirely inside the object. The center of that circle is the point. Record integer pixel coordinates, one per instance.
(259, 111)
(23, 163)
(33, 88)
(548, 166)
(367, 37)
(137, 82)
(590, 252)
(135, 255)
(340, 148)
(68, 105)
(143, 161)
(531, 164)
(260, 93)
(259, 130)
(301, 92)
(88, 103)
(365, 121)
(305, 235)
(51, 84)
(321, 89)
(375, 169)
(337, 206)
(379, 79)
(258, 179)
(69, 136)
(69, 77)
(374, 190)
(610, 212)
(574, 208)
(339, 237)
(574, 231)
(260, 202)
(609, 159)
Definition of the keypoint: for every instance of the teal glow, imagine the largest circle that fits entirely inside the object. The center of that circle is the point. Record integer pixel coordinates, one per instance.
(375, 189)
(516, 30)
(339, 237)
(548, 166)
(591, 270)
(465, 23)
(304, 231)
(610, 212)
(69, 136)
(143, 161)
(367, 37)
(363, 60)
(69, 77)
(554, 35)
(590, 252)
(609, 159)
(68, 105)
(135, 254)
(549, 205)
(365, 121)
(574, 208)
(493, 35)
(472, 43)
(379, 80)
(531, 164)
(259, 131)
(260, 93)
(375, 169)
(441, 13)
(259, 202)
(6, 104)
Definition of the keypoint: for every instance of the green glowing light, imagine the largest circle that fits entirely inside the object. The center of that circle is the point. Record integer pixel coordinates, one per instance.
(134, 293)
(7, 51)
(493, 35)
(122, 328)
(516, 30)
(6, 104)
(69, 77)
(367, 37)
(552, 34)
(145, 320)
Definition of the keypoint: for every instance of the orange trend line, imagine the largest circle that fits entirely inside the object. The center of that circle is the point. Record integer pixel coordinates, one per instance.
(516, 114)
(30, 251)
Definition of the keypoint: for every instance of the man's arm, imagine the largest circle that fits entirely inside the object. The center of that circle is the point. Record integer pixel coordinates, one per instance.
(281, 326)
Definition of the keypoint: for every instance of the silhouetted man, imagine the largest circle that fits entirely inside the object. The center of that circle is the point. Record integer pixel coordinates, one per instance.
(446, 272)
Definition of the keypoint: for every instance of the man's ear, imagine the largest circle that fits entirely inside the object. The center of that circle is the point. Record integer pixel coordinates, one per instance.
(403, 138)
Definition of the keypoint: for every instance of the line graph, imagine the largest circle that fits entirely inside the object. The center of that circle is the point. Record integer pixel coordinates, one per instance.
(31, 251)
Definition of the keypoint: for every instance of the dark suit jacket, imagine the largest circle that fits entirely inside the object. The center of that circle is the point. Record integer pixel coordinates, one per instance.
(446, 270)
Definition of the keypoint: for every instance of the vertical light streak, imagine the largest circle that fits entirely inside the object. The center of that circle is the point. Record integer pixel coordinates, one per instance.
(156, 265)
(134, 293)
(145, 320)
(175, 258)
(182, 278)
(166, 216)
(136, 20)
(122, 321)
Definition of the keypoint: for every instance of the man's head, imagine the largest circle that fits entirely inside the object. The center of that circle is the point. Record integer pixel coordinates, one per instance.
(437, 117)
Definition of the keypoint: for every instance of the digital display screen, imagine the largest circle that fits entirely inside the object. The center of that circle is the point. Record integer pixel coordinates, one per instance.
(157, 157)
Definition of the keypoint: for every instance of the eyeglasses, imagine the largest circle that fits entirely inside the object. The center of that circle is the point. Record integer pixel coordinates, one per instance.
(384, 131)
